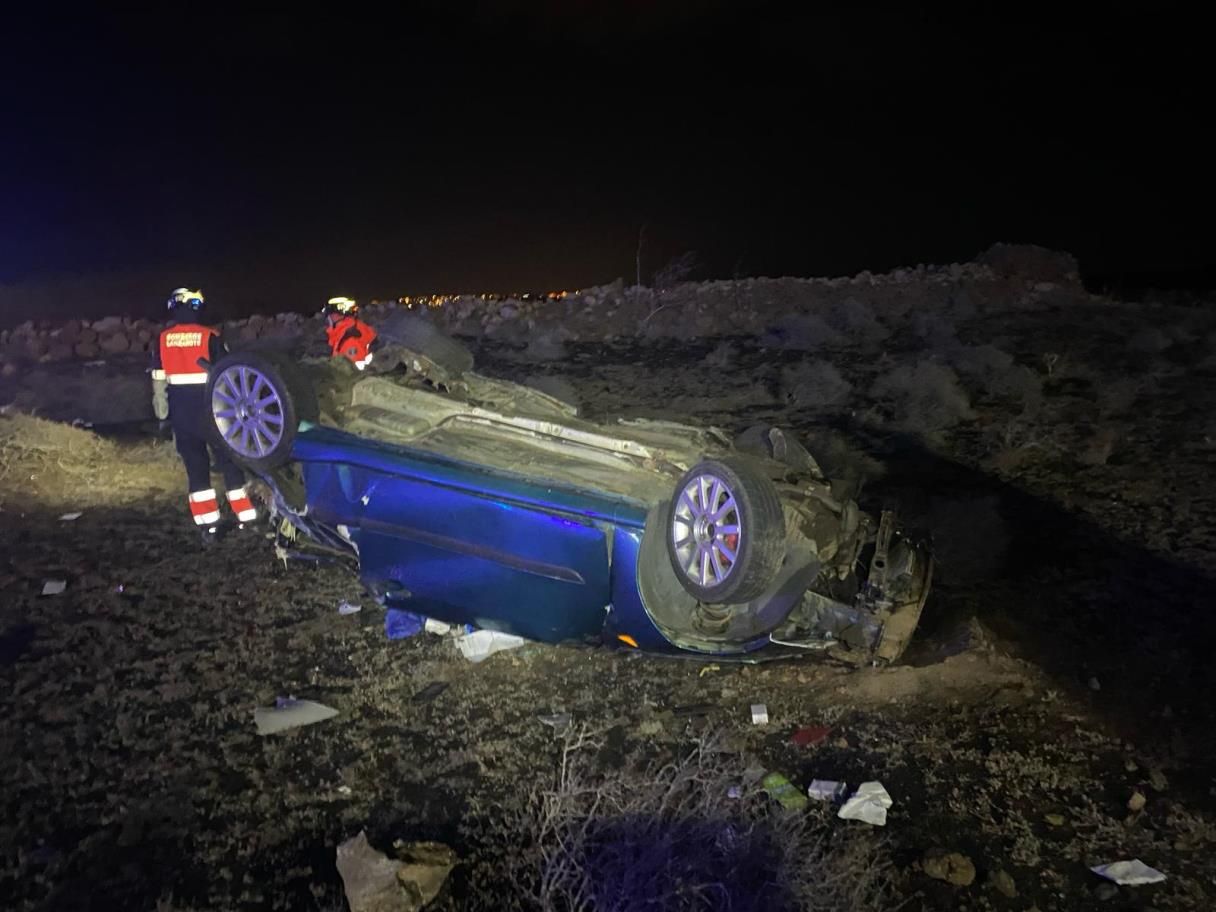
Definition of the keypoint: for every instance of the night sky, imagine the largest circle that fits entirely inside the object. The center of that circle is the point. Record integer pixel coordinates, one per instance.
(520, 146)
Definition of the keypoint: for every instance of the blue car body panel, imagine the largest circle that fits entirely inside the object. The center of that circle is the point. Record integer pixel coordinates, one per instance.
(465, 544)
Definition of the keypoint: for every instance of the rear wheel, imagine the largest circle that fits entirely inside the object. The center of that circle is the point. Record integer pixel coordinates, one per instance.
(257, 402)
(725, 532)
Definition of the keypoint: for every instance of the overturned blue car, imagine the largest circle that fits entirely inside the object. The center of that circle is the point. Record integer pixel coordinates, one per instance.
(479, 501)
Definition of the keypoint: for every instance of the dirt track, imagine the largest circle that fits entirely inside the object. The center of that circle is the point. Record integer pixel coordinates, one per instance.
(1063, 663)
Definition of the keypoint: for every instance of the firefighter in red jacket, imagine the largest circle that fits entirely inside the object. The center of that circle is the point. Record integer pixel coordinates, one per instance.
(179, 379)
(349, 337)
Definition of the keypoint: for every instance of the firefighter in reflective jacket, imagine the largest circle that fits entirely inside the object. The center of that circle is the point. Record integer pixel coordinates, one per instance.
(349, 337)
(179, 381)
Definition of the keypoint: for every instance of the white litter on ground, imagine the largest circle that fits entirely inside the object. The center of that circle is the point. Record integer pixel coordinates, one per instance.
(869, 804)
(481, 644)
(68, 517)
(347, 608)
(289, 712)
(1129, 873)
(759, 714)
(53, 587)
(826, 789)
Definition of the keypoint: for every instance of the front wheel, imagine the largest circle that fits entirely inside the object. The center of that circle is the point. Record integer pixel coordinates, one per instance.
(725, 532)
(257, 403)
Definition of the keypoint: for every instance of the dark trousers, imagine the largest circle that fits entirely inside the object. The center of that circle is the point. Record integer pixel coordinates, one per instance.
(190, 419)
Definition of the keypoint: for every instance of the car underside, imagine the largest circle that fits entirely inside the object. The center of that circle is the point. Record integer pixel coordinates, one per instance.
(480, 501)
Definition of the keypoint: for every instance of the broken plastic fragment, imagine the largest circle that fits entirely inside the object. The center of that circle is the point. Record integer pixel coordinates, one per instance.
(869, 804)
(559, 722)
(400, 624)
(481, 644)
(53, 587)
(347, 608)
(826, 789)
(68, 517)
(784, 792)
(289, 712)
(759, 714)
(1129, 873)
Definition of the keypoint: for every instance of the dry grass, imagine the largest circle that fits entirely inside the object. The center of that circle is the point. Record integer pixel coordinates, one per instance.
(50, 463)
(667, 835)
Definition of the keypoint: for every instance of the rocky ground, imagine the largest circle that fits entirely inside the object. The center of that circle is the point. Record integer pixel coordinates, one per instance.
(1053, 714)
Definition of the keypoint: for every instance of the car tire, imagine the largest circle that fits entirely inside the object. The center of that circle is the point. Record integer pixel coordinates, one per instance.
(422, 336)
(257, 402)
(725, 531)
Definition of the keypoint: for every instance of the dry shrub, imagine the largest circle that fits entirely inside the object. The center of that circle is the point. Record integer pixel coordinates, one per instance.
(1149, 340)
(547, 346)
(667, 836)
(856, 319)
(814, 385)
(48, 462)
(925, 397)
(996, 374)
(801, 332)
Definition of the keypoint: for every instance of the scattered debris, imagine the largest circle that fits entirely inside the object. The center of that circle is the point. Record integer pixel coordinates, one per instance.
(559, 722)
(1157, 780)
(345, 608)
(344, 790)
(869, 804)
(430, 692)
(439, 628)
(1136, 802)
(53, 587)
(759, 714)
(401, 625)
(827, 790)
(811, 735)
(373, 882)
(784, 792)
(288, 712)
(69, 517)
(708, 669)
(1055, 820)
(1129, 873)
(1002, 881)
(735, 791)
(481, 644)
(952, 867)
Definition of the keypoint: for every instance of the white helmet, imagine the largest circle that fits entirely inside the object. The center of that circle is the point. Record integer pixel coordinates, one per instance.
(184, 297)
(342, 305)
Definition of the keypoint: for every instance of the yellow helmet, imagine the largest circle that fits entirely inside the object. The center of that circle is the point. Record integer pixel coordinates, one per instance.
(184, 297)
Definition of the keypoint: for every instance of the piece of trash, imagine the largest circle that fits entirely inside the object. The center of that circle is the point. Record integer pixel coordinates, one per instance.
(430, 692)
(345, 608)
(288, 712)
(827, 790)
(373, 882)
(869, 804)
(693, 709)
(53, 587)
(784, 792)
(559, 722)
(1056, 820)
(481, 644)
(811, 735)
(735, 791)
(439, 628)
(759, 714)
(120, 589)
(400, 624)
(1129, 873)
(68, 517)
(344, 790)
(708, 669)
(1136, 802)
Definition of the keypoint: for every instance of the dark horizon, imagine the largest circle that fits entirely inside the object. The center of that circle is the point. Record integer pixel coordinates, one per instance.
(511, 146)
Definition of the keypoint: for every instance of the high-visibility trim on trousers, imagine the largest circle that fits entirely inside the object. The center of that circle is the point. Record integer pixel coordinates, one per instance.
(204, 507)
(241, 505)
(187, 379)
